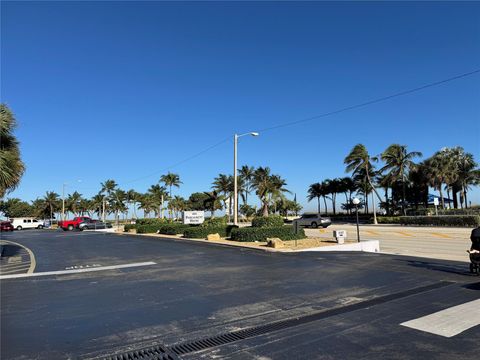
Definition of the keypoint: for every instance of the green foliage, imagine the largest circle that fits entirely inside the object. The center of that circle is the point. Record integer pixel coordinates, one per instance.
(247, 234)
(129, 227)
(197, 201)
(442, 220)
(215, 222)
(162, 228)
(153, 221)
(388, 219)
(15, 207)
(268, 221)
(200, 232)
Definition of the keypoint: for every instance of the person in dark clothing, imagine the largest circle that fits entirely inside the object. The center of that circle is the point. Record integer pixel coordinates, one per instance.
(475, 238)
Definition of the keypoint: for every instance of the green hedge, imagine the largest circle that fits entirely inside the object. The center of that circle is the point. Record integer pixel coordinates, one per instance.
(153, 221)
(215, 222)
(247, 234)
(128, 227)
(201, 232)
(388, 220)
(166, 229)
(442, 220)
(269, 221)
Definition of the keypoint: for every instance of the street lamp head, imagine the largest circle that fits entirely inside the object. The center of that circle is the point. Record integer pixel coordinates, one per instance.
(355, 201)
(254, 133)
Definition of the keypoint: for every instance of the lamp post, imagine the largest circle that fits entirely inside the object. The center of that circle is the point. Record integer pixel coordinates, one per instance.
(355, 202)
(235, 186)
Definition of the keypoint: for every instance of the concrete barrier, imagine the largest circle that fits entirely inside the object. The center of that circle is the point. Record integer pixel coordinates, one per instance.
(367, 246)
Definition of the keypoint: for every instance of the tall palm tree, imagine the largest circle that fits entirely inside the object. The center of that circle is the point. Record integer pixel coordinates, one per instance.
(223, 184)
(11, 165)
(398, 162)
(96, 204)
(73, 203)
(132, 199)
(359, 159)
(147, 204)
(268, 187)
(158, 193)
(52, 200)
(437, 173)
(246, 175)
(171, 180)
(468, 174)
(107, 189)
(315, 192)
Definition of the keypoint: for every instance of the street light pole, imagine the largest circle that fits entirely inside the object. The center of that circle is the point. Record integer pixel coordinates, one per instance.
(355, 202)
(235, 185)
(63, 202)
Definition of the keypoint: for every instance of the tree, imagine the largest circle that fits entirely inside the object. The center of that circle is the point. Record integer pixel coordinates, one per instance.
(158, 193)
(15, 207)
(40, 208)
(315, 191)
(357, 160)
(437, 171)
(398, 163)
(246, 175)
(267, 187)
(147, 204)
(197, 200)
(73, 203)
(107, 189)
(212, 202)
(132, 198)
(52, 199)
(11, 165)
(170, 180)
(223, 184)
(176, 205)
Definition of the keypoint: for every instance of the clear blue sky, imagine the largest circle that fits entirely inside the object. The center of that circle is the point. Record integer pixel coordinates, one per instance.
(122, 90)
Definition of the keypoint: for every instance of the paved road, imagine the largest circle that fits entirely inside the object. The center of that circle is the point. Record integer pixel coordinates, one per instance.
(330, 306)
(430, 242)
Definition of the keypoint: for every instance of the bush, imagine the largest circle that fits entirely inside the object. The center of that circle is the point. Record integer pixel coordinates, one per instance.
(269, 221)
(153, 221)
(147, 229)
(201, 232)
(173, 229)
(128, 227)
(215, 222)
(442, 220)
(262, 233)
(388, 219)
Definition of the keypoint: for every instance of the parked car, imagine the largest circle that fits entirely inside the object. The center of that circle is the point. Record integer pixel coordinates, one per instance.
(6, 226)
(72, 224)
(92, 224)
(27, 223)
(313, 220)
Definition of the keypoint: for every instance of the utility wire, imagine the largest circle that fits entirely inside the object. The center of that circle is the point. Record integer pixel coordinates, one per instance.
(292, 123)
(406, 92)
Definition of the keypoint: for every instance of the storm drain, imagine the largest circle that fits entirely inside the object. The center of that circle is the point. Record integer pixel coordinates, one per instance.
(170, 353)
(152, 353)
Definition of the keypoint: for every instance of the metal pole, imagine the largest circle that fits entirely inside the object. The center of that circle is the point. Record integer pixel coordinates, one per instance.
(235, 190)
(63, 202)
(358, 230)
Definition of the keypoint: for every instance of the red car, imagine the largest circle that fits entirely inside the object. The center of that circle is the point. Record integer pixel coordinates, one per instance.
(73, 224)
(6, 226)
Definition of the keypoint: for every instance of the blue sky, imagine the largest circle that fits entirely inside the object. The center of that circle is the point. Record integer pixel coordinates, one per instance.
(122, 90)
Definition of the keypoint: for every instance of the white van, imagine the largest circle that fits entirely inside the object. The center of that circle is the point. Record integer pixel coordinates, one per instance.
(27, 223)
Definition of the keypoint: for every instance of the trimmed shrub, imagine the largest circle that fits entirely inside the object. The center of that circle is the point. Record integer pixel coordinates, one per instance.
(442, 220)
(248, 234)
(173, 229)
(153, 221)
(147, 229)
(269, 221)
(215, 222)
(201, 232)
(388, 220)
(128, 227)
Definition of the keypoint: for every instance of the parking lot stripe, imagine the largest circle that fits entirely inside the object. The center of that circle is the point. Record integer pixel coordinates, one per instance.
(441, 235)
(33, 263)
(371, 232)
(75, 271)
(448, 322)
(404, 233)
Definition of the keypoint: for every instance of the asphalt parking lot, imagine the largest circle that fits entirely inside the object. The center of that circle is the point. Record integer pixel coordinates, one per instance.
(196, 300)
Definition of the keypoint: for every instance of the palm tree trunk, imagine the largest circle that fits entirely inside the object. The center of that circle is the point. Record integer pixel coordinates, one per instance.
(387, 206)
(325, 203)
(334, 195)
(465, 196)
(441, 196)
(318, 205)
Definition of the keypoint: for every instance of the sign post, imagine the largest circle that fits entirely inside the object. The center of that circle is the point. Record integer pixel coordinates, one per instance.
(435, 202)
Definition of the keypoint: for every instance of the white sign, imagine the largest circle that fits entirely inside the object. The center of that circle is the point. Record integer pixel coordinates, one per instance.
(435, 201)
(193, 217)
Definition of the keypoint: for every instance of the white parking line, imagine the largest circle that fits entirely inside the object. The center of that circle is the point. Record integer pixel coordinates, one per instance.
(448, 322)
(67, 272)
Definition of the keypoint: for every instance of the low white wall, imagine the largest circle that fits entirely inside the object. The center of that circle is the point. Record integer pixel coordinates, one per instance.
(367, 246)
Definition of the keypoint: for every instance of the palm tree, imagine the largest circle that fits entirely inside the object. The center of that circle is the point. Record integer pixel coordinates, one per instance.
(118, 200)
(52, 200)
(268, 187)
(357, 160)
(223, 184)
(436, 171)
(158, 193)
(468, 174)
(177, 204)
(11, 165)
(170, 180)
(246, 175)
(132, 197)
(107, 189)
(212, 202)
(398, 163)
(315, 192)
(147, 204)
(73, 203)
(96, 204)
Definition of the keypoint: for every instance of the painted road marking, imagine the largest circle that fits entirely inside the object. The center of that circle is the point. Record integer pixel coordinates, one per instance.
(67, 272)
(33, 263)
(371, 232)
(404, 233)
(448, 322)
(441, 235)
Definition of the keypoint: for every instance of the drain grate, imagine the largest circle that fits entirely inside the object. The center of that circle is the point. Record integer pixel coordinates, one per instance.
(173, 352)
(152, 353)
(202, 344)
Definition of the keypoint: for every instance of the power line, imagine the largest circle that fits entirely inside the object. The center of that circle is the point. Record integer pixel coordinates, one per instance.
(384, 98)
(292, 123)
